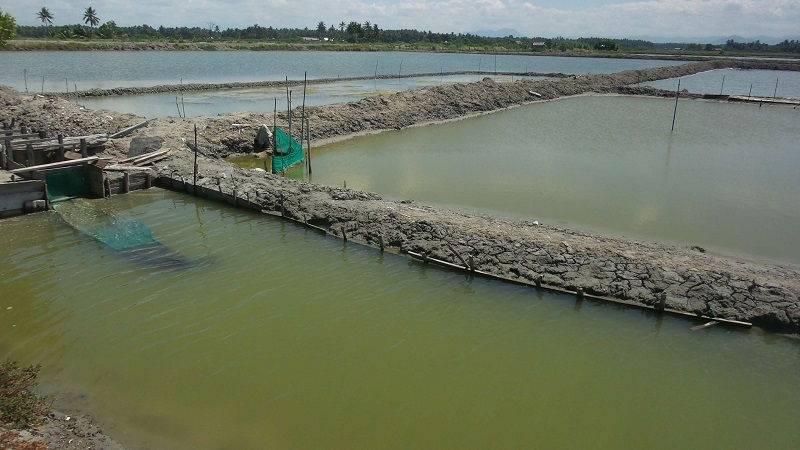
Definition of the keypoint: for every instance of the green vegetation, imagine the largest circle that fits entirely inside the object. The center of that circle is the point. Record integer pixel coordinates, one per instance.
(367, 37)
(8, 27)
(19, 406)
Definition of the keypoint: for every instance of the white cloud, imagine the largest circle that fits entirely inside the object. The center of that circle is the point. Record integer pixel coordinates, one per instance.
(533, 17)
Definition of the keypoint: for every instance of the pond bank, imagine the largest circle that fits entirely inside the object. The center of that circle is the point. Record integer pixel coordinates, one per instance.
(190, 87)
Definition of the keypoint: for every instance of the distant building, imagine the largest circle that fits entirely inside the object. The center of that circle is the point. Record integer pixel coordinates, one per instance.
(538, 44)
(305, 38)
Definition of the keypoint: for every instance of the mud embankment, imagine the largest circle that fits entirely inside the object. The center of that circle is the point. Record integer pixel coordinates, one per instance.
(188, 87)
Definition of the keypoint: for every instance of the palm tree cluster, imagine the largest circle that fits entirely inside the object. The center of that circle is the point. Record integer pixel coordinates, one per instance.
(90, 17)
(45, 16)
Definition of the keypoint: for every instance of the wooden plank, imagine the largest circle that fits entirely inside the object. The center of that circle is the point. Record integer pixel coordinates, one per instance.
(127, 131)
(56, 164)
(145, 155)
(123, 168)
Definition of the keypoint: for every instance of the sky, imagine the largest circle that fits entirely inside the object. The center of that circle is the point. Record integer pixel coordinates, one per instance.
(548, 18)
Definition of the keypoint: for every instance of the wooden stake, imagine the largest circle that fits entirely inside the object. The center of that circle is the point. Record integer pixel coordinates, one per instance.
(675, 111)
(308, 140)
(776, 88)
(303, 108)
(42, 83)
(84, 149)
(25, 76)
(194, 183)
(750, 91)
(183, 105)
(722, 85)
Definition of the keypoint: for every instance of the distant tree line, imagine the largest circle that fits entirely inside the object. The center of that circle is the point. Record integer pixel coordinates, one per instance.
(355, 32)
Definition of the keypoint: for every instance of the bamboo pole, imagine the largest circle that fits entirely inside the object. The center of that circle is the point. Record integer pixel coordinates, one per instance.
(675, 111)
(183, 104)
(308, 140)
(194, 190)
(303, 108)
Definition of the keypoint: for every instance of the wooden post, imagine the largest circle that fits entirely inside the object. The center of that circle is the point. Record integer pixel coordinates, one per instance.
(675, 111)
(750, 91)
(61, 147)
(400, 70)
(29, 155)
(9, 151)
(194, 180)
(25, 76)
(183, 104)
(774, 93)
(308, 140)
(471, 263)
(375, 80)
(380, 242)
(126, 182)
(662, 302)
(42, 83)
(148, 180)
(178, 107)
(579, 292)
(538, 281)
(106, 186)
(722, 85)
(344, 233)
(84, 149)
(303, 108)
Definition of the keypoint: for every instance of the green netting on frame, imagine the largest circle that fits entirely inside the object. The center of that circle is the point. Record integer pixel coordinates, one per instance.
(64, 184)
(287, 151)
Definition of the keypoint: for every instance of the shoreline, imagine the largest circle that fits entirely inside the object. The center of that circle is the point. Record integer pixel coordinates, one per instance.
(33, 44)
(641, 273)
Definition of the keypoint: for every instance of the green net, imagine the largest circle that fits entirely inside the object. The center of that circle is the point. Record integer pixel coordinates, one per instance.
(119, 233)
(287, 151)
(64, 184)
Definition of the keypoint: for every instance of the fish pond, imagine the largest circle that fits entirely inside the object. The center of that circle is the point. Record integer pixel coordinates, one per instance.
(274, 336)
(725, 179)
(108, 69)
(758, 83)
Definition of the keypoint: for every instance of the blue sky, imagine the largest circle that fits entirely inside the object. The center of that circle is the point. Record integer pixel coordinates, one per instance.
(572, 18)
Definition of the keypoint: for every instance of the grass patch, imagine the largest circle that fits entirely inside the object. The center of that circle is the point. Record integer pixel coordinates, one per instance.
(19, 406)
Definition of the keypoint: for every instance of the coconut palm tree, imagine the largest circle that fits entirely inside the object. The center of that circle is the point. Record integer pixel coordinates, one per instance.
(45, 16)
(90, 17)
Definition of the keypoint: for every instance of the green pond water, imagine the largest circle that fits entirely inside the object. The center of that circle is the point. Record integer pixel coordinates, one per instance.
(278, 337)
(725, 179)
